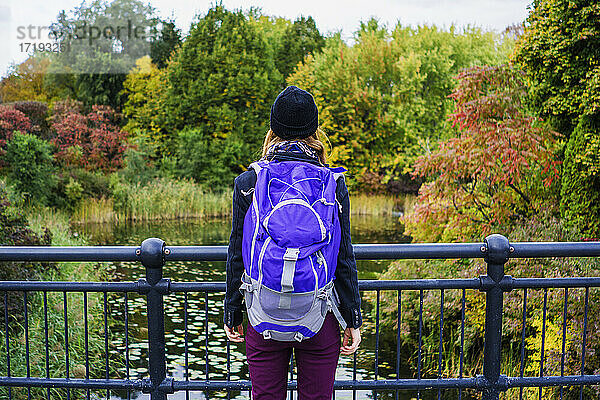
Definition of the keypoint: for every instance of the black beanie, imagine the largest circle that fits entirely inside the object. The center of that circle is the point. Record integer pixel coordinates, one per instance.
(294, 114)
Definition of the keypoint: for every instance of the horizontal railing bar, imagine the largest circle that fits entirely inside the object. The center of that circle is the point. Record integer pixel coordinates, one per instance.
(539, 283)
(53, 286)
(69, 253)
(414, 284)
(73, 383)
(365, 285)
(382, 384)
(571, 380)
(555, 249)
(361, 252)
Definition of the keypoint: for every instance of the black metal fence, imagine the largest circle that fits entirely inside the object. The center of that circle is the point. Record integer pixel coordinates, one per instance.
(153, 254)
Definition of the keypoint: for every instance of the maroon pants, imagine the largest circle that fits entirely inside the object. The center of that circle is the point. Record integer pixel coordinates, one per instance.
(316, 361)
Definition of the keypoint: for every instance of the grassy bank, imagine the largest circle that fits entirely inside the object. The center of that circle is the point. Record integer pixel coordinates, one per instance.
(48, 353)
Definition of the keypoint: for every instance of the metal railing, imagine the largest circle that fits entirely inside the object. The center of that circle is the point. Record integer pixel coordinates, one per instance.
(153, 254)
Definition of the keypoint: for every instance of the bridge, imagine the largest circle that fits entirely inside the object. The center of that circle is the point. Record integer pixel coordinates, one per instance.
(153, 253)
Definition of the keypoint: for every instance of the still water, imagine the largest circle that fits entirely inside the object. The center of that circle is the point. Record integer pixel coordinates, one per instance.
(208, 349)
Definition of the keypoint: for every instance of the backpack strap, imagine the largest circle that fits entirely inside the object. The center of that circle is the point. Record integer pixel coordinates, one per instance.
(257, 166)
(338, 172)
(287, 277)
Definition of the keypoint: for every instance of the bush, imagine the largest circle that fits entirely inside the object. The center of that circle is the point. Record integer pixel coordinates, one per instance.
(37, 112)
(30, 166)
(93, 141)
(11, 120)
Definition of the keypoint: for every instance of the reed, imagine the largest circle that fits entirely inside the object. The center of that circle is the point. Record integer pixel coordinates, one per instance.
(368, 204)
(164, 199)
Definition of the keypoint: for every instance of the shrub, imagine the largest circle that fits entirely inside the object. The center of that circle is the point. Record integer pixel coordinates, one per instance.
(30, 165)
(93, 141)
(37, 112)
(11, 120)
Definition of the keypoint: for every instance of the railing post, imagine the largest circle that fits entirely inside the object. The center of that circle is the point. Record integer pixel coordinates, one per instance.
(498, 249)
(151, 255)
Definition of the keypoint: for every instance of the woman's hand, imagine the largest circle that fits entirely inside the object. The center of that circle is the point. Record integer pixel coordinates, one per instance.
(352, 334)
(235, 334)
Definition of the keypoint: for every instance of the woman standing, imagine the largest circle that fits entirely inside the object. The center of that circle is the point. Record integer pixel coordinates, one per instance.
(290, 256)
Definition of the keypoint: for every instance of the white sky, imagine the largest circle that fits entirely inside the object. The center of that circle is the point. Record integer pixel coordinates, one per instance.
(329, 15)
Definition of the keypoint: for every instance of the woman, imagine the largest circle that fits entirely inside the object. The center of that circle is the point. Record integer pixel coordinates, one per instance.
(294, 140)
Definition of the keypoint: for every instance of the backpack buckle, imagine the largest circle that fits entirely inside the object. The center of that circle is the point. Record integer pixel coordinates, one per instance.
(291, 254)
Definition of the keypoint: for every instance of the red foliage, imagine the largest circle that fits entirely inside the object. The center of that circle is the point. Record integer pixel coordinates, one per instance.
(11, 120)
(493, 171)
(93, 140)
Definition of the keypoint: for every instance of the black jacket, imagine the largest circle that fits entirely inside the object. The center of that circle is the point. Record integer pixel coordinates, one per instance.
(346, 280)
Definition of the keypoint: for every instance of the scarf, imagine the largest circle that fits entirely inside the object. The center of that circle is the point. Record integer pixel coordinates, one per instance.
(291, 146)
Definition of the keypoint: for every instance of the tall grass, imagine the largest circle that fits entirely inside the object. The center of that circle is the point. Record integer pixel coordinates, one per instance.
(47, 352)
(161, 199)
(367, 204)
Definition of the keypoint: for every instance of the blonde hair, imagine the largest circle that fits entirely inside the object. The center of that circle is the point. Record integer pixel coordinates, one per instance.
(318, 141)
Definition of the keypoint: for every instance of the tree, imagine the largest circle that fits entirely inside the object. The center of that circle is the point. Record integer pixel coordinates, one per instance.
(500, 168)
(221, 83)
(101, 42)
(167, 41)
(383, 100)
(299, 40)
(580, 192)
(145, 110)
(25, 81)
(559, 53)
(558, 50)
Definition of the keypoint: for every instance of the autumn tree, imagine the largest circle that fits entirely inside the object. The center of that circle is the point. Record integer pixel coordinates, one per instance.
(26, 81)
(383, 100)
(499, 169)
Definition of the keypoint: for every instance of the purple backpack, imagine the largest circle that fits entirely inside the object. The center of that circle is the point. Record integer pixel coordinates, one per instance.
(290, 246)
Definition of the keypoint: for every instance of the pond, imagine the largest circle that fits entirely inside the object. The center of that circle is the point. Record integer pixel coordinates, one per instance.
(205, 312)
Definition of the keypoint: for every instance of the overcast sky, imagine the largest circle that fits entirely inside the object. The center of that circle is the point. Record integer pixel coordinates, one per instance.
(330, 15)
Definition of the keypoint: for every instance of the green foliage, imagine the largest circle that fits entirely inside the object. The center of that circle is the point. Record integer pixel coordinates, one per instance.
(557, 51)
(31, 165)
(580, 192)
(167, 41)
(298, 40)
(221, 84)
(383, 101)
(214, 162)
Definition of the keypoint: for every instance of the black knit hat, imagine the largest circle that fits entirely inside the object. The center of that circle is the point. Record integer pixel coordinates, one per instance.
(294, 114)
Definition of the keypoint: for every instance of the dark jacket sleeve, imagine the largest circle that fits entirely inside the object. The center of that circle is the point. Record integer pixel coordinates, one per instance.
(346, 277)
(242, 196)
